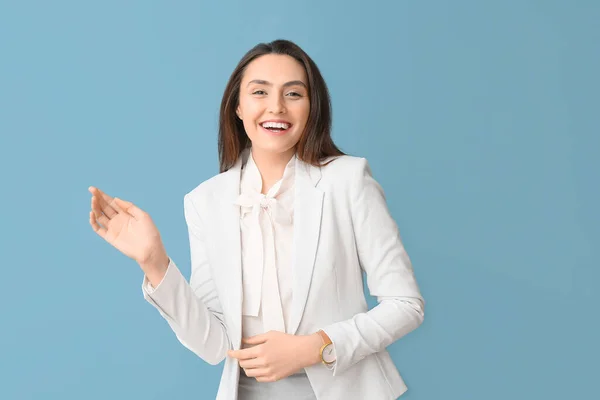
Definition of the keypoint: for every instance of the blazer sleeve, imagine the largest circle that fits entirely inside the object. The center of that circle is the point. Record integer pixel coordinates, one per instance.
(390, 278)
(192, 310)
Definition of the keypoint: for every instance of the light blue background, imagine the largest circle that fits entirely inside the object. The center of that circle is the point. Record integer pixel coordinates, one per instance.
(479, 118)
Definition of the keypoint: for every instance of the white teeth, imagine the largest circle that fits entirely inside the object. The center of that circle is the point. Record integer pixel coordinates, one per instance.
(280, 125)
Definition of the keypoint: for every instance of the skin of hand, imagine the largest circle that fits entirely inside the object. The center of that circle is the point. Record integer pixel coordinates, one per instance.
(131, 231)
(275, 355)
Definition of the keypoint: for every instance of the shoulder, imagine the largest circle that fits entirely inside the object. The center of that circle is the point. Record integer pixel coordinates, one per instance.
(345, 169)
(347, 177)
(349, 181)
(207, 189)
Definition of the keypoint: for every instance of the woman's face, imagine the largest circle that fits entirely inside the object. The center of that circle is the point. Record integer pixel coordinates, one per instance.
(274, 103)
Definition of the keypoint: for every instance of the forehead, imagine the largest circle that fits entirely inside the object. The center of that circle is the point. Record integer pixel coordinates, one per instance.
(275, 68)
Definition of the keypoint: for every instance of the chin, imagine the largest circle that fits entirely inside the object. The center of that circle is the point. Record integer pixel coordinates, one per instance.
(274, 146)
(273, 149)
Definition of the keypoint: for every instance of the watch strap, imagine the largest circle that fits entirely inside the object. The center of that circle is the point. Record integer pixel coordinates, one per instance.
(326, 342)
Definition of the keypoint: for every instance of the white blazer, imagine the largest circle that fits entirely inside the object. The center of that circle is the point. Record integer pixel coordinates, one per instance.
(342, 227)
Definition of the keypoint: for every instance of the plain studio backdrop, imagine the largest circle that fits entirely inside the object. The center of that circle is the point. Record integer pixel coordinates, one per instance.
(479, 119)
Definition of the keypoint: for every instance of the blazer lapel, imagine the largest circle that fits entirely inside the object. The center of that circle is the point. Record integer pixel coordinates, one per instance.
(227, 222)
(308, 205)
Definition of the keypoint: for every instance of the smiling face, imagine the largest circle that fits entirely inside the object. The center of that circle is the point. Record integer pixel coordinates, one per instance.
(274, 103)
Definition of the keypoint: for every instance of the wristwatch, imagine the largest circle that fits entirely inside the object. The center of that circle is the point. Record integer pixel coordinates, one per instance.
(327, 351)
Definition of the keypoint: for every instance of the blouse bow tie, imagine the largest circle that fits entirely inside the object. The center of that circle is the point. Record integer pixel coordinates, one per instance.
(260, 280)
(253, 202)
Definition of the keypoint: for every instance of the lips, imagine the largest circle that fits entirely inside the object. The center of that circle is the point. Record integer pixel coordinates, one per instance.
(276, 126)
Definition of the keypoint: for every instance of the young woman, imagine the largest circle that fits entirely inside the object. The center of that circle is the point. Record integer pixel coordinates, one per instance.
(279, 240)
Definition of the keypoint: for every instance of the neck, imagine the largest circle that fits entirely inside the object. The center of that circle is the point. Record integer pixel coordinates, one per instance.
(271, 165)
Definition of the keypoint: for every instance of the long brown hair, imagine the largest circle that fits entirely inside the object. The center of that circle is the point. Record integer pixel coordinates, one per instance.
(315, 143)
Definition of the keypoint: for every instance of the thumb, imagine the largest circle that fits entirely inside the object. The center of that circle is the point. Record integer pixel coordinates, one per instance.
(129, 207)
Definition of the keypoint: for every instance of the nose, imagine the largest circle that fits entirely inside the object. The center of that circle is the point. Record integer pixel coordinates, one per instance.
(276, 106)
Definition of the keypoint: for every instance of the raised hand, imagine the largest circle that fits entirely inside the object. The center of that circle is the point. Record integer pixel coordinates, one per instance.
(129, 229)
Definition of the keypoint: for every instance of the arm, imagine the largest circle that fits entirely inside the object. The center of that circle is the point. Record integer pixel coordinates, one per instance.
(390, 277)
(192, 310)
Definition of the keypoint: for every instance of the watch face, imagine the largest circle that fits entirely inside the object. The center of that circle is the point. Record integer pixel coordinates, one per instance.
(329, 354)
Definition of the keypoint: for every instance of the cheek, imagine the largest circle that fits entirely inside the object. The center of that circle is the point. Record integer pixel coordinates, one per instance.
(250, 109)
(302, 114)
(250, 112)
(250, 128)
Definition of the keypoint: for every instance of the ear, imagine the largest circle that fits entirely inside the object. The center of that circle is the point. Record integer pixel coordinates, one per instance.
(237, 111)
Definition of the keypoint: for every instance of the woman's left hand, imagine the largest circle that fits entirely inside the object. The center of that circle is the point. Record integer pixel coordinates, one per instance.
(276, 355)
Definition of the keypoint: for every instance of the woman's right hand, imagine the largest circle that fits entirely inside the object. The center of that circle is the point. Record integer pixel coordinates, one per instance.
(129, 229)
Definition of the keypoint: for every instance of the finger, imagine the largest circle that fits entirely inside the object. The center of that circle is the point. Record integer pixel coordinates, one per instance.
(239, 354)
(252, 363)
(130, 208)
(103, 218)
(243, 354)
(257, 339)
(97, 228)
(257, 372)
(115, 205)
(104, 201)
(266, 377)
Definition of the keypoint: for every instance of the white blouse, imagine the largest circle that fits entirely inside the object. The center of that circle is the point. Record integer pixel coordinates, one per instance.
(266, 224)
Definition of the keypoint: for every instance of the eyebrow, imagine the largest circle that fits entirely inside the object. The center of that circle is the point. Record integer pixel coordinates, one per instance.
(263, 82)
